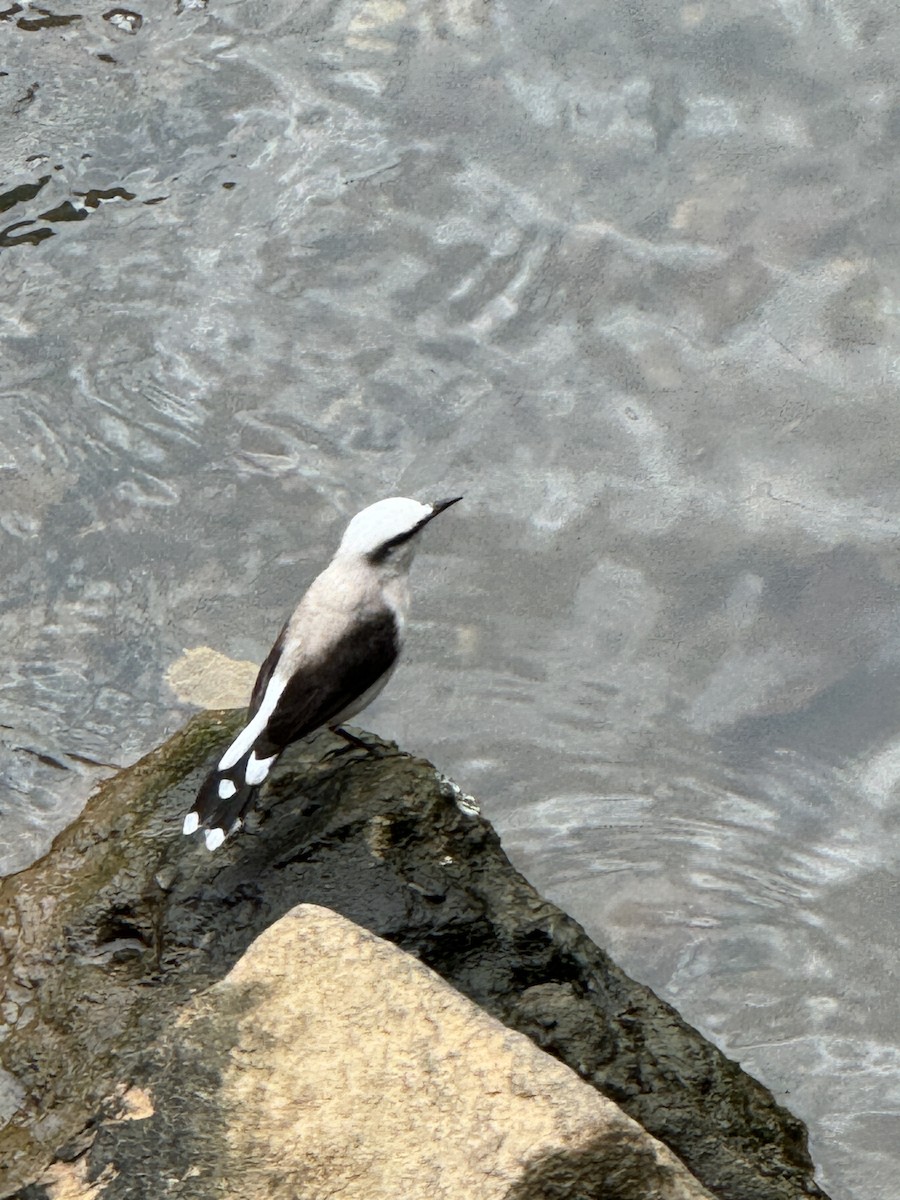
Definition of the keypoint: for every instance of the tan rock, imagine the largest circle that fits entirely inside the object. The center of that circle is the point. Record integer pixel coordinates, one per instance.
(347, 1068)
(204, 677)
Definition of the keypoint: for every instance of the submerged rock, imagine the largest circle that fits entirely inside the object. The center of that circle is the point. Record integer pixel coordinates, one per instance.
(107, 941)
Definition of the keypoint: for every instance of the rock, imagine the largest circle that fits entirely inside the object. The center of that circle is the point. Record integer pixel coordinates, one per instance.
(328, 1062)
(125, 929)
(204, 677)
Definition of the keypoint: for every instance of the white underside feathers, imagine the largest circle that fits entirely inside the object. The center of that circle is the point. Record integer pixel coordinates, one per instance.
(257, 769)
(214, 838)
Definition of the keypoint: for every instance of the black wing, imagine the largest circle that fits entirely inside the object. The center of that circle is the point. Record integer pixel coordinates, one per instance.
(321, 691)
(265, 672)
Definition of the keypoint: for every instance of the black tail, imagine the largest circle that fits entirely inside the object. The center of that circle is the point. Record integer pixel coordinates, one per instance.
(222, 803)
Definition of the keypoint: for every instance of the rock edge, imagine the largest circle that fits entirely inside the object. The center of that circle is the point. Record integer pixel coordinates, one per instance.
(105, 940)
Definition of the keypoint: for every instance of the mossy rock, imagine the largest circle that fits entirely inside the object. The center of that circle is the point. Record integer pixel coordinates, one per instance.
(105, 938)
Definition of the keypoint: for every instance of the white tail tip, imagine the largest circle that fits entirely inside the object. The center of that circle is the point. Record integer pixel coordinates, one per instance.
(214, 838)
(191, 823)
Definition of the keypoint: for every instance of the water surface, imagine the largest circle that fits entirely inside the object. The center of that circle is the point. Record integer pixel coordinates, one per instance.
(625, 276)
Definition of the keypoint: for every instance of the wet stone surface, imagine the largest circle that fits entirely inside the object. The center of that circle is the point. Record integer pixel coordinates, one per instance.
(106, 938)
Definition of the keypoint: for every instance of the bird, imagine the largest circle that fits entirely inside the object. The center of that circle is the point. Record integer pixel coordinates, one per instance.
(331, 659)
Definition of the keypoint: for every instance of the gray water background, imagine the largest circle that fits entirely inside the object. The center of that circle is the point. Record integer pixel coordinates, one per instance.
(627, 276)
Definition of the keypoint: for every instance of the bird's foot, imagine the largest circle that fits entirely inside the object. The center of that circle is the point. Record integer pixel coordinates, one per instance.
(354, 743)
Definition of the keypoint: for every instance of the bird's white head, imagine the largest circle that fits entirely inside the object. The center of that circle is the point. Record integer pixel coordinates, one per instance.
(386, 532)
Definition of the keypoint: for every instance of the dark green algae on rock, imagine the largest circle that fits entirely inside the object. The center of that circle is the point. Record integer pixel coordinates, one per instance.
(103, 941)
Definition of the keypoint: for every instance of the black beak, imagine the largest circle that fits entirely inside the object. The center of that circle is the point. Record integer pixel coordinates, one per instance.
(438, 506)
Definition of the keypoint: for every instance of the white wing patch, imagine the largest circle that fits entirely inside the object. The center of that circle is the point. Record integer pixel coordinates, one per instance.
(251, 732)
(226, 789)
(191, 823)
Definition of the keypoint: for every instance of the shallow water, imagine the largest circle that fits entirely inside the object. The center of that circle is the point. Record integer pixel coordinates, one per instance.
(628, 278)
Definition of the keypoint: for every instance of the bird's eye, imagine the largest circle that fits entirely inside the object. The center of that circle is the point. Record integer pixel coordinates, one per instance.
(382, 554)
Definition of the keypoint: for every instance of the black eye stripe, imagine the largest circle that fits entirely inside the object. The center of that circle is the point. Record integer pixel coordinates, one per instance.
(379, 555)
(385, 548)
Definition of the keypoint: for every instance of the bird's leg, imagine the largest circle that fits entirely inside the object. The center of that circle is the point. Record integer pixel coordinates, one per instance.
(352, 739)
(353, 742)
